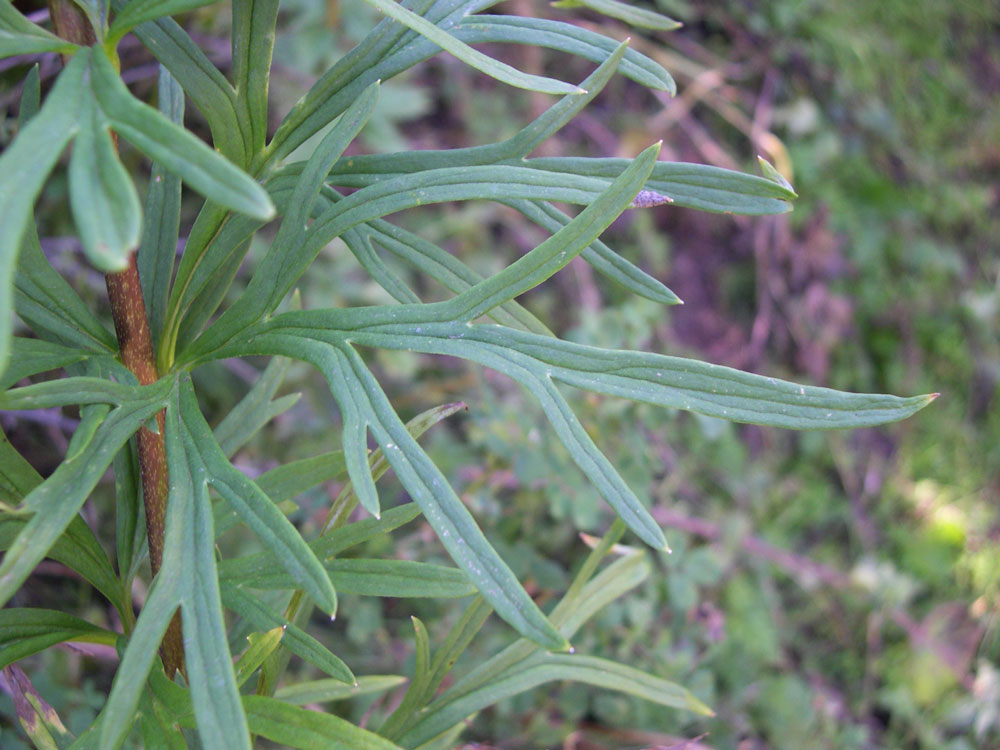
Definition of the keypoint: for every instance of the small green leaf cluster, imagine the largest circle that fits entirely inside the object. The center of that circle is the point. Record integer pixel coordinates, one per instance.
(247, 181)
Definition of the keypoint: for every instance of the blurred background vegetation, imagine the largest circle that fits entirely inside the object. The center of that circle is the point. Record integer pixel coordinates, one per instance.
(826, 590)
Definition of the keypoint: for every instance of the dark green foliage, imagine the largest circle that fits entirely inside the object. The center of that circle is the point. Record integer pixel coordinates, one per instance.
(246, 182)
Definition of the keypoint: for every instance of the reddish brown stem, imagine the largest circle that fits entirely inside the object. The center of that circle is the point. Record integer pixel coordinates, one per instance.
(136, 344)
(132, 327)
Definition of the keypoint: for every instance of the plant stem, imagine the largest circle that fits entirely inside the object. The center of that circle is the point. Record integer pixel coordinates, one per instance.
(70, 23)
(132, 327)
(128, 309)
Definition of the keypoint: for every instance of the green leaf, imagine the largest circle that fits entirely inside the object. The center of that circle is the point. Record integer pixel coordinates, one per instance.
(26, 631)
(218, 712)
(251, 567)
(540, 669)
(394, 578)
(261, 645)
(360, 244)
(130, 679)
(159, 731)
(292, 479)
(621, 576)
(139, 11)
(326, 691)
(697, 186)
(673, 382)
(413, 700)
(645, 19)
(515, 147)
(309, 730)
(581, 601)
(255, 409)
(78, 549)
(379, 465)
(38, 719)
(773, 174)
(253, 45)
(351, 382)
(445, 268)
(603, 259)
(161, 217)
(19, 36)
(174, 148)
(104, 201)
(97, 13)
(17, 476)
(565, 37)
(295, 639)
(32, 356)
(339, 87)
(458, 640)
(293, 228)
(269, 524)
(201, 80)
(129, 533)
(493, 68)
(31, 97)
(553, 254)
(46, 302)
(25, 164)
(688, 185)
(56, 501)
(390, 49)
(278, 272)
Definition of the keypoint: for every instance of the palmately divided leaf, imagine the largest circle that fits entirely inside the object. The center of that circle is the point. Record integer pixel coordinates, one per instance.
(453, 523)
(390, 49)
(674, 382)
